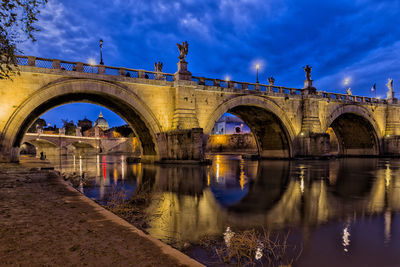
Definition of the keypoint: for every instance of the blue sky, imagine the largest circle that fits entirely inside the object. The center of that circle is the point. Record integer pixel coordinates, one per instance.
(358, 39)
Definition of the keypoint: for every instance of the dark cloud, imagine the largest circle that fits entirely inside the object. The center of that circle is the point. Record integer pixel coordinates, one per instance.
(338, 38)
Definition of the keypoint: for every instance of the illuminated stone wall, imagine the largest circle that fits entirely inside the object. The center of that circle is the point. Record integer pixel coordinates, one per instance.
(238, 143)
(283, 124)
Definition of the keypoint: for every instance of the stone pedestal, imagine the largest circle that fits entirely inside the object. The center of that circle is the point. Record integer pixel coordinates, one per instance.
(392, 121)
(183, 73)
(310, 122)
(308, 88)
(185, 116)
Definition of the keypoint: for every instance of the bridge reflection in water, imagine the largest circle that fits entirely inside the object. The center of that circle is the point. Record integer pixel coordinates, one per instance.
(343, 205)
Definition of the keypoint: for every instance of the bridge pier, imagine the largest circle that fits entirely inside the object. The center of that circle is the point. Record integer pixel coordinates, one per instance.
(180, 145)
(312, 145)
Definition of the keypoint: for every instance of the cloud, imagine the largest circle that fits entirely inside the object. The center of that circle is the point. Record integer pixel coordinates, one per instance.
(338, 38)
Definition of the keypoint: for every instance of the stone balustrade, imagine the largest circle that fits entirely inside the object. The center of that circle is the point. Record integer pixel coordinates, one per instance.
(202, 81)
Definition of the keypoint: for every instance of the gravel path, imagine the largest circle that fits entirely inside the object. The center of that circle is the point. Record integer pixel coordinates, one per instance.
(44, 222)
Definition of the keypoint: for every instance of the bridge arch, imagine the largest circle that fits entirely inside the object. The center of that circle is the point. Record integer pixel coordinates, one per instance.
(116, 97)
(268, 122)
(356, 130)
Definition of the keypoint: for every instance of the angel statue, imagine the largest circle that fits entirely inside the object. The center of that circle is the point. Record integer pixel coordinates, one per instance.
(307, 69)
(158, 66)
(183, 50)
(271, 80)
(390, 93)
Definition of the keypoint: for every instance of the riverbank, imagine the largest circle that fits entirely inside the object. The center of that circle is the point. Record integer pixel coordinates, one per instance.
(45, 222)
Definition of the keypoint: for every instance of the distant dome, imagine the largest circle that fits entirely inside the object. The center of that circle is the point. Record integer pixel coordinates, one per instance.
(101, 122)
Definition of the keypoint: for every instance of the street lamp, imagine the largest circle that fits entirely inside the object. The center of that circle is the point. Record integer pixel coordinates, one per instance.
(257, 68)
(101, 52)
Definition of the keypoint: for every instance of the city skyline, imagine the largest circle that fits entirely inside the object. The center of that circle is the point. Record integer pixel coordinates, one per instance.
(79, 111)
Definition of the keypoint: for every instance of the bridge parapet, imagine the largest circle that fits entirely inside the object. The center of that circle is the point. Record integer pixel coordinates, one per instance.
(88, 68)
(203, 82)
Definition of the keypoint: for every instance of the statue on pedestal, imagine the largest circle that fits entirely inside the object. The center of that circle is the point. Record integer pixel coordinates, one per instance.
(348, 91)
(183, 73)
(309, 89)
(308, 69)
(390, 93)
(183, 50)
(158, 66)
(271, 80)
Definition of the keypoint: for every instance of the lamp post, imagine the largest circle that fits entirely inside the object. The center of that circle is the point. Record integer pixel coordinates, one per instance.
(101, 52)
(257, 67)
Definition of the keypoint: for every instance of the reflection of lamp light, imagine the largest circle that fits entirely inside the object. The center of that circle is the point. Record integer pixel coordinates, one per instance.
(346, 238)
(388, 174)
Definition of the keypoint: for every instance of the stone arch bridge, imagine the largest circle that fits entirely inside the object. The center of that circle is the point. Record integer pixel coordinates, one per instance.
(173, 114)
(61, 144)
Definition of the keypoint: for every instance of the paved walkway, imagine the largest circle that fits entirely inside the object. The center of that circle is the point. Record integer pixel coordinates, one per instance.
(45, 222)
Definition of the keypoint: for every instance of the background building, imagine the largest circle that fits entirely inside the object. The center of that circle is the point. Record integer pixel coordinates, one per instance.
(101, 123)
(230, 125)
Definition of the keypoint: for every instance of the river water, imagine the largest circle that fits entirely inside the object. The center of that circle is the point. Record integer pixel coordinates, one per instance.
(341, 212)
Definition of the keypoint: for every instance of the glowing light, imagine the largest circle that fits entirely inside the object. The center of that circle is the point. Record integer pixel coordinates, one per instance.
(388, 226)
(227, 78)
(346, 81)
(80, 166)
(104, 167)
(228, 236)
(91, 61)
(346, 238)
(243, 177)
(123, 167)
(388, 175)
(257, 64)
(302, 134)
(259, 250)
(98, 165)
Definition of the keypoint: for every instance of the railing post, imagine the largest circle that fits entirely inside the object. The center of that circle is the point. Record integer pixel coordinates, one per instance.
(101, 69)
(79, 66)
(56, 64)
(31, 61)
(202, 81)
(217, 82)
(244, 86)
(141, 74)
(280, 90)
(257, 87)
(121, 72)
(231, 84)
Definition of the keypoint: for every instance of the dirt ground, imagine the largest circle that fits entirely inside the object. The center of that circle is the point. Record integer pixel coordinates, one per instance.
(45, 223)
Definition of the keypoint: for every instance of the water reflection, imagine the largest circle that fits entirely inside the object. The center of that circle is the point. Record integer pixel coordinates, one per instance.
(189, 201)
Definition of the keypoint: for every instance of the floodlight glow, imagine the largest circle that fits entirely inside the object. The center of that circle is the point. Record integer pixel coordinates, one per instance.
(92, 61)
